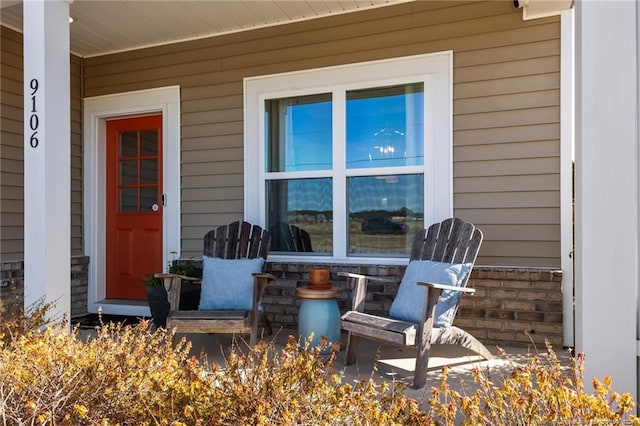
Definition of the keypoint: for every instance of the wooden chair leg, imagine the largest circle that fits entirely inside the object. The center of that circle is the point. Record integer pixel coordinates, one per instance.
(253, 337)
(422, 363)
(351, 353)
(266, 324)
(424, 335)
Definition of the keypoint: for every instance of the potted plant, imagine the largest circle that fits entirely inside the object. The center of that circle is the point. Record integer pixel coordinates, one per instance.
(157, 294)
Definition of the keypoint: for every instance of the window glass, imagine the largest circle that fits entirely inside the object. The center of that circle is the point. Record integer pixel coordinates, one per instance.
(298, 133)
(384, 213)
(128, 200)
(129, 144)
(149, 143)
(148, 171)
(128, 172)
(385, 126)
(300, 215)
(148, 197)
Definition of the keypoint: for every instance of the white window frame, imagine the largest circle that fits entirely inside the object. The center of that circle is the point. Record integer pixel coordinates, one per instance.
(435, 70)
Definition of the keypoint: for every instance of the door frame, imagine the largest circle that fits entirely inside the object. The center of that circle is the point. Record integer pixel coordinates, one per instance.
(97, 110)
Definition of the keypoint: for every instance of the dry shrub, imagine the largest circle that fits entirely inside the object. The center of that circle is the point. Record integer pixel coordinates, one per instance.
(136, 376)
(15, 322)
(540, 392)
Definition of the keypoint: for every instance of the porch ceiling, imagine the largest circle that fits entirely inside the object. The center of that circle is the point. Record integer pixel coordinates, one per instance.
(102, 27)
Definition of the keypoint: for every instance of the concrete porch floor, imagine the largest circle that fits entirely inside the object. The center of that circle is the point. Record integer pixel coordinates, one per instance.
(393, 363)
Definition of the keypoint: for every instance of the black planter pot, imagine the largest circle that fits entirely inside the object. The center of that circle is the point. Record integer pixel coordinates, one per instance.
(159, 305)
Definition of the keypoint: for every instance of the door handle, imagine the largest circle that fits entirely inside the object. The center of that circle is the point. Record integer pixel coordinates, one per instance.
(164, 200)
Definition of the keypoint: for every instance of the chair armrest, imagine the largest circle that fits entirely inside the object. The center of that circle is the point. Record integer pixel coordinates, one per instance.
(182, 277)
(448, 287)
(260, 281)
(264, 275)
(368, 277)
(173, 285)
(358, 286)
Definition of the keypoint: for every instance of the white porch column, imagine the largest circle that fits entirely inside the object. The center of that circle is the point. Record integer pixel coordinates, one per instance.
(607, 190)
(47, 163)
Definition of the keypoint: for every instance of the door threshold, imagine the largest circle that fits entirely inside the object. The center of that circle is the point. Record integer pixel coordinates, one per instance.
(121, 307)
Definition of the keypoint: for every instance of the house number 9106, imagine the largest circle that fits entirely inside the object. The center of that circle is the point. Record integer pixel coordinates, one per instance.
(34, 120)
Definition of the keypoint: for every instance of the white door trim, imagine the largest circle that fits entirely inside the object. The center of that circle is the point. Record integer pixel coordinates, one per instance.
(97, 110)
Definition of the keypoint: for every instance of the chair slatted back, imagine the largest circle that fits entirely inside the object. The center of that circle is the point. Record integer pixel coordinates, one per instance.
(452, 241)
(238, 240)
(290, 238)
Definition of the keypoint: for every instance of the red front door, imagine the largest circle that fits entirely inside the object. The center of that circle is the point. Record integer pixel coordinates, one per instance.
(134, 205)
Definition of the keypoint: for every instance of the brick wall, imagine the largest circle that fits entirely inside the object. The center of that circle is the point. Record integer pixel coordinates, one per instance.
(79, 285)
(11, 278)
(508, 301)
(12, 284)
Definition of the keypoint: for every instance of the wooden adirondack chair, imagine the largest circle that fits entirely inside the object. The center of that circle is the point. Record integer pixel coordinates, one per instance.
(290, 238)
(444, 252)
(236, 243)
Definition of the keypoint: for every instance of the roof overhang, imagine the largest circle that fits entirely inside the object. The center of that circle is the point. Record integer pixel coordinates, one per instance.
(103, 27)
(533, 9)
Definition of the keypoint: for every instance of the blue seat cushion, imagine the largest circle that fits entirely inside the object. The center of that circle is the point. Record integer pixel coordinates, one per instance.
(409, 302)
(228, 283)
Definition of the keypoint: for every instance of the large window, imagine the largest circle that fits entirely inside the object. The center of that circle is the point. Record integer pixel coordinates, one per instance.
(349, 162)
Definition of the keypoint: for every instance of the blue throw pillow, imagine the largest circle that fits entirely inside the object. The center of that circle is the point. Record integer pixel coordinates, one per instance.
(410, 299)
(228, 283)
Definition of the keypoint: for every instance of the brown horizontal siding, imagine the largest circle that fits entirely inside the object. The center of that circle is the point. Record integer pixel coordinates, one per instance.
(506, 109)
(195, 182)
(507, 150)
(498, 252)
(513, 101)
(12, 151)
(507, 118)
(509, 167)
(538, 49)
(485, 184)
(543, 215)
(499, 70)
(516, 133)
(507, 199)
(77, 246)
(524, 84)
(218, 193)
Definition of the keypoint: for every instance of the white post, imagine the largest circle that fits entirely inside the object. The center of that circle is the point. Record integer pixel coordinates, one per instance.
(47, 162)
(607, 190)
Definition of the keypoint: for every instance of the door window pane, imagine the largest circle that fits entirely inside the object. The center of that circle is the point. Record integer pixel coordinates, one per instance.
(305, 204)
(148, 197)
(128, 200)
(148, 171)
(385, 126)
(128, 172)
(149, 143)
(129, 144)
(384, 213)
(298, 133)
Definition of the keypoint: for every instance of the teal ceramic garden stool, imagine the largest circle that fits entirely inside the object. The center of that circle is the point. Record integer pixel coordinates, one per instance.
(319, 314)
